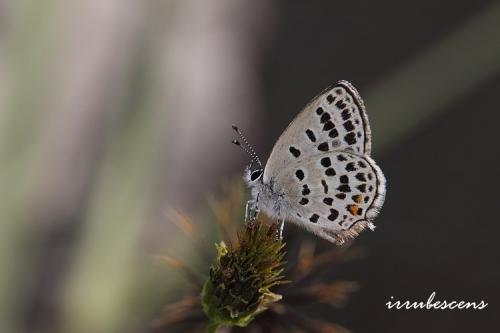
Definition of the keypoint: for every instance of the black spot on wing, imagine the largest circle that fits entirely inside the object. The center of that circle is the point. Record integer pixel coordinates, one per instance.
(300, 174)
(330, 172)
(348, 126)
(319, 111)
(350, 138)
(340, 104)
(361, 177)
(340, 196)
(328, 201)
(304, 201)
(325, 186)
(323, 146)
(314, 218)
(330, 99)
(325, 117)
(306, 190)
(310, 135)
(350, 167)
(344, 188)
(333, 133)
(344, 179)
(333, 214)
(328, 126)
(346, 114)
(326, 162)
(294, 151)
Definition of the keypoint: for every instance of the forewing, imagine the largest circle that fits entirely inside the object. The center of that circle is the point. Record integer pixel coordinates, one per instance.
(333, 121)
(334, 194)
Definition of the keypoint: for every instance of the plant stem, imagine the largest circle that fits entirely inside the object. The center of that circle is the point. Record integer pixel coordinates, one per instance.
(212, 327)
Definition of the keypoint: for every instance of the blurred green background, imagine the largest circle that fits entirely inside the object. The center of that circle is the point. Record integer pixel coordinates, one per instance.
(114, 111)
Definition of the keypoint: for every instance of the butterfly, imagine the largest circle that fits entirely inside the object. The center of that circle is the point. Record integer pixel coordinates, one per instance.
(320, 175)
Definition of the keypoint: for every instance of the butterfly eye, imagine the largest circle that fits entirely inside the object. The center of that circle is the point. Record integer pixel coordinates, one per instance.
(255, 175)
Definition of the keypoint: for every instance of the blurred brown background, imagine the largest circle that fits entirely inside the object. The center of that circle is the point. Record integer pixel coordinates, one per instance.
(114, 111)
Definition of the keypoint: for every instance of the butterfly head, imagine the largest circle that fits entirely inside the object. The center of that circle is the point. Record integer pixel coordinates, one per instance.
(253, 176)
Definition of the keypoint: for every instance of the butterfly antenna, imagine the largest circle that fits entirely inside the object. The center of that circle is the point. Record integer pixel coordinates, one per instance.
(248, 148)
(236, 142)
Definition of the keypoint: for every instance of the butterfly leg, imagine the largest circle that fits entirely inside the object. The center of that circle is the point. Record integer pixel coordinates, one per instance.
(281, 227)
(251, 210)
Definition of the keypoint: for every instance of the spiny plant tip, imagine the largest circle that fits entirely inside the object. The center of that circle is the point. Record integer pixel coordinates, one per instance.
(242, 275)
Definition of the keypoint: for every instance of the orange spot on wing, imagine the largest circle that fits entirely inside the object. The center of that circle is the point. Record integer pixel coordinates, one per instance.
(358, 198)
(354, 209)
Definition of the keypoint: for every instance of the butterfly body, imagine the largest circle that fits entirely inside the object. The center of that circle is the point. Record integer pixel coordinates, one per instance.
(269, 197)
(320, 174)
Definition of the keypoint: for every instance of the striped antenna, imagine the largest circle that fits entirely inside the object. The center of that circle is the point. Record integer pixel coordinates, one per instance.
(247, 147)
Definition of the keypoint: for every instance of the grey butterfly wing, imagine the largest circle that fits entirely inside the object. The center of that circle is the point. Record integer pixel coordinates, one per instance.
(322, 168)
(334, 194)
(335, 120)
